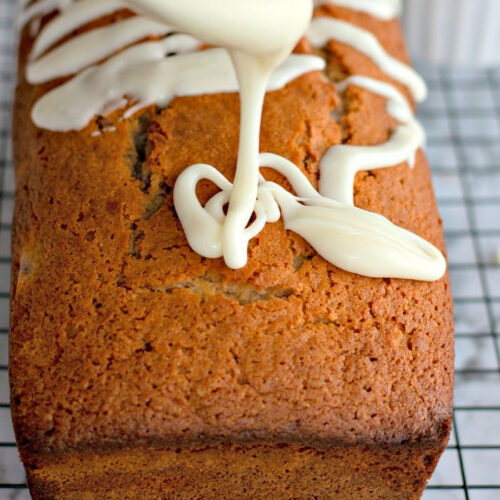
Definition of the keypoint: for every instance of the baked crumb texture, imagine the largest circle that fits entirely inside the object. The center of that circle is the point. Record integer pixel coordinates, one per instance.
(139, 369)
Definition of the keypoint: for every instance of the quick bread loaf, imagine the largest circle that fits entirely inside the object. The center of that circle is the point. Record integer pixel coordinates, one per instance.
(144, 367)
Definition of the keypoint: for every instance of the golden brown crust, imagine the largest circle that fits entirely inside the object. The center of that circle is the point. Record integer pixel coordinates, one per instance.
(121, 333)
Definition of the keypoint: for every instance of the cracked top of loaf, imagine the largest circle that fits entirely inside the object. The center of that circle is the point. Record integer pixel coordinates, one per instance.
(122, 334)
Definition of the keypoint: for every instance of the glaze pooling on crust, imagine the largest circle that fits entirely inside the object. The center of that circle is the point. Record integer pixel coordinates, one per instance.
(332, 227)
(358, 234)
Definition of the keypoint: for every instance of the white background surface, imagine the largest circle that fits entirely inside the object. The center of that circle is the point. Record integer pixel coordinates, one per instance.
(462, 117)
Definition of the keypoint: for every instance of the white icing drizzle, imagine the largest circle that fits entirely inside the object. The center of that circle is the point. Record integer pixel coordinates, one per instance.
(382, 9)
(361, 238)
(70, 19)
(258, 36)
(92, 46)
(341, 163)
(324, 29)
(206, 72)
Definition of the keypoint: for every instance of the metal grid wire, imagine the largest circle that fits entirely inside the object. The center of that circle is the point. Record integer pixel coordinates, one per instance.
(462, 117)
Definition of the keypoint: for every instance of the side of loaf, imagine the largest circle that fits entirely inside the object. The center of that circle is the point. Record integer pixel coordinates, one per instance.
(140, 369)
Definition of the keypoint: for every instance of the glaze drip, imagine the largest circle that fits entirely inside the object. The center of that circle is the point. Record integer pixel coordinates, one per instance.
(259, 35)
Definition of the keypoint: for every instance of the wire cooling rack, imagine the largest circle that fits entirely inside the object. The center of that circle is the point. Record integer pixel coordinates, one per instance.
(462, 117)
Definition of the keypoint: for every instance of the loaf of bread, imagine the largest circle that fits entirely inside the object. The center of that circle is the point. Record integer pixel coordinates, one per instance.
(140, 369)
